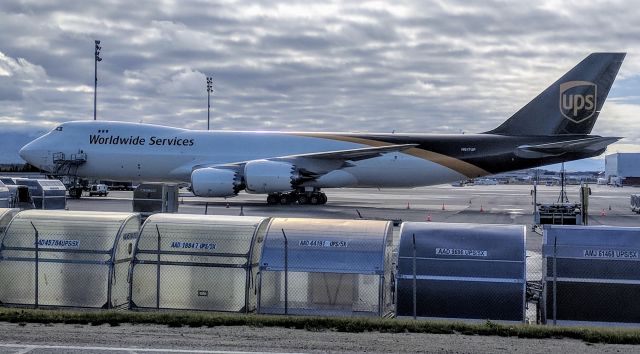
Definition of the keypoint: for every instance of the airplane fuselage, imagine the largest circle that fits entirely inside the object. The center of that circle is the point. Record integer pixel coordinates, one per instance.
(125, 151)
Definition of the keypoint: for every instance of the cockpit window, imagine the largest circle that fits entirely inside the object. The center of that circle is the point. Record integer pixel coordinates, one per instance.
(59, 128)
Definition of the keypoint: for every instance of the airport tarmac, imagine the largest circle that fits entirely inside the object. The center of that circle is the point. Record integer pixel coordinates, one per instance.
(490, 204)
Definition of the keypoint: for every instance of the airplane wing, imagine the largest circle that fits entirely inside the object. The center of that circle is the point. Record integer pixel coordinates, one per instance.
(352, 154)
(319, 163)
(563, 147)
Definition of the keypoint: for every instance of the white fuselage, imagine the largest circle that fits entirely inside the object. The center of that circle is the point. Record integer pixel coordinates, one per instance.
(141, 152)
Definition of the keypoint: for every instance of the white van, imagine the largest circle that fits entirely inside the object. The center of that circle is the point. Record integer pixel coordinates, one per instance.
(99, 190)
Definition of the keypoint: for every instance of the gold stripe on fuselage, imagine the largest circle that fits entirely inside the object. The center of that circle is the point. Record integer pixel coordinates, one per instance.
(463, 167)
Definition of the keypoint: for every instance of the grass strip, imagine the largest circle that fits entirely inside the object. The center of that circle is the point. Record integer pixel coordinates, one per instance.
(350, 325)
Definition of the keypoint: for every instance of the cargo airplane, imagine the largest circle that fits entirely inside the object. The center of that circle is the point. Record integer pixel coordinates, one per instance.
(295, 166)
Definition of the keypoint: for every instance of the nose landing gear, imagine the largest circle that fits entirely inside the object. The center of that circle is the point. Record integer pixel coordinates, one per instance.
(302, 197)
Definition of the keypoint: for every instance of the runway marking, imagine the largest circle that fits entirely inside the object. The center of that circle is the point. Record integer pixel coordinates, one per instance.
(29, 347)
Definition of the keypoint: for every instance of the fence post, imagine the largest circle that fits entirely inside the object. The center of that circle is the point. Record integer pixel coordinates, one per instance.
(37, 236)
(286, 273)
(415, 294)
(206, 208)
(158, 271)
(555, 280)
(43, 199)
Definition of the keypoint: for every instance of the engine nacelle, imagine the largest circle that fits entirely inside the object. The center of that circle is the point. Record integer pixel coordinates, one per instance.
(263, 176)
(214, 182)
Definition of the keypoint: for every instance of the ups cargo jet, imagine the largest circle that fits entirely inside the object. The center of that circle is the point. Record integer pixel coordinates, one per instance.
(295, 166)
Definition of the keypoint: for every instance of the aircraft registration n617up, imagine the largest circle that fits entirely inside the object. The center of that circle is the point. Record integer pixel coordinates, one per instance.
(295, 166)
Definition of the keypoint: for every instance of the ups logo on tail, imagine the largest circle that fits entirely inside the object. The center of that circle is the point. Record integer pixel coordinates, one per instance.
(578, 100)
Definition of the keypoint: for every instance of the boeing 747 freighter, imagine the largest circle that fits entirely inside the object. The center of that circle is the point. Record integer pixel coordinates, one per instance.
(295, 166)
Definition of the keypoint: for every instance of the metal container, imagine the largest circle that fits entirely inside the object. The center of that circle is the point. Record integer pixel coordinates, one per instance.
(62, 258)
(197, 262)
(635, 203)
(462, 271)
(591, 274)
(5, 196)
(46, 193)
(326, 267)
(6, 214)
(151, 198)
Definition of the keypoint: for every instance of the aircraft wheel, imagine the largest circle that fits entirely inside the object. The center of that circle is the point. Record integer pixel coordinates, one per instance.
(284, 199)
(315, 199)
(272, 199)
(303, 199)
(75, 192)
(323, 198)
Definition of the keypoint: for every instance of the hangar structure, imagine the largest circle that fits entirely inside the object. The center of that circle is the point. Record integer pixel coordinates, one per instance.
(623, 169)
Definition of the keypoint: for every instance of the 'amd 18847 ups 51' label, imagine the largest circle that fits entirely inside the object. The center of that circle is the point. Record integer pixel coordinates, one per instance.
(193, 245)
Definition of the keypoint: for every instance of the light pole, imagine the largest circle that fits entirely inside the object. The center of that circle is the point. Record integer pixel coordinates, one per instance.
(209, 90)
(95, 75)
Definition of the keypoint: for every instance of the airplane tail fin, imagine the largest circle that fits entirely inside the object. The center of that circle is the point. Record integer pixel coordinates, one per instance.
(570, 105)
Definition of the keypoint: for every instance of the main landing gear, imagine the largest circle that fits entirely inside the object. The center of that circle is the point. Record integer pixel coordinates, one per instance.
(300, 197)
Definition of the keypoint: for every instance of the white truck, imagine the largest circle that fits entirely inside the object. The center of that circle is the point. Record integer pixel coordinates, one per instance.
(100, 190)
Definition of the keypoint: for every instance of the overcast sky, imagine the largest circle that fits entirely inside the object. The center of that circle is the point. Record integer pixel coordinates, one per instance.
(415, 66)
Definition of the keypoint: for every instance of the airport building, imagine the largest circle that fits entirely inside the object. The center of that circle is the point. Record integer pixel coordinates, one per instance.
(623, 169)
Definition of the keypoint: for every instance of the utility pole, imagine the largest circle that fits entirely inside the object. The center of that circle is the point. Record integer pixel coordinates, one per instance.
(95, 75)
(209, 90)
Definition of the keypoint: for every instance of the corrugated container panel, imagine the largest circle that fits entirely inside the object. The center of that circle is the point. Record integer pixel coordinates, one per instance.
(462, 271)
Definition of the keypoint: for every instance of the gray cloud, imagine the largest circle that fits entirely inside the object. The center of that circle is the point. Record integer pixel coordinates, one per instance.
(423, 66)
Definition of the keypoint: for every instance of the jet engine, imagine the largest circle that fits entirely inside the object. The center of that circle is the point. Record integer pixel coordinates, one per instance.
(263, 176)
(214, 182)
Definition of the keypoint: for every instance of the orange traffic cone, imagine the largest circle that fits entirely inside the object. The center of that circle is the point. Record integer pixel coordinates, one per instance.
(603, 213)
(443, 206)
(428, 217)
(481, 209)
(408, 206)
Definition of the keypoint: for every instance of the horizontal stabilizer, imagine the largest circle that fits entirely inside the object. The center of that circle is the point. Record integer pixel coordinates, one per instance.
(591, 144)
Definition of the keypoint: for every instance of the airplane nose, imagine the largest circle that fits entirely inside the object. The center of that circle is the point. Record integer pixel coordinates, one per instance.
(31, 153)
(25, 152)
